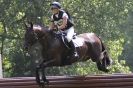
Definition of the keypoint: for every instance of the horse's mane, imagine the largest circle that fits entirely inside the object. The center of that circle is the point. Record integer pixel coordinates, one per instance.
(43, 29)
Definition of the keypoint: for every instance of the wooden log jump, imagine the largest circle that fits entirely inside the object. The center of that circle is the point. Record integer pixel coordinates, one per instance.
(93, 81)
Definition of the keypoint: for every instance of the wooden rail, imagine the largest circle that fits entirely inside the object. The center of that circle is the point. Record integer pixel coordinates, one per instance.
(93, 81)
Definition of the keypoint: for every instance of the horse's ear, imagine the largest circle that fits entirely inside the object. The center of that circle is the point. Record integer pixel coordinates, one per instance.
(28, 25)
(25, 24)
(31, 25)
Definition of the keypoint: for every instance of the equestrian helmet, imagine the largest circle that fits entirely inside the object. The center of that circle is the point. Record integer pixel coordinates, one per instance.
(56, 5)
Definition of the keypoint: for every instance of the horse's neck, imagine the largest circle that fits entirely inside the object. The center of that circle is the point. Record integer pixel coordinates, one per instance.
(39, 33)
(45, 37)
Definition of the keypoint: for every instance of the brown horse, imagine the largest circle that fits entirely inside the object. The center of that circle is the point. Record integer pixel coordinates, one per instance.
(55, 52)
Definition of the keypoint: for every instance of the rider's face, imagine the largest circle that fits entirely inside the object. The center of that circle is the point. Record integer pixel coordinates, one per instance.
(55, 10)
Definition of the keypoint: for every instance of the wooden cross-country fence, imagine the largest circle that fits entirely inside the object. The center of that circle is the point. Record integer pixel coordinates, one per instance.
(91, 81)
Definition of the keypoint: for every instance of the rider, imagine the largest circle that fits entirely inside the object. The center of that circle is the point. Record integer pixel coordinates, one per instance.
(61, 20)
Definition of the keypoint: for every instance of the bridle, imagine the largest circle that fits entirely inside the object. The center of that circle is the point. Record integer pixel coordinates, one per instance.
(36, 36)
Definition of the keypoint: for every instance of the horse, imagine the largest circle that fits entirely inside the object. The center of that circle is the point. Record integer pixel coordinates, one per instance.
(55, 52)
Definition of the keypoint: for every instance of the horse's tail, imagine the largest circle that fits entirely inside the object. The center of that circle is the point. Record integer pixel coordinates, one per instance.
(105, 55)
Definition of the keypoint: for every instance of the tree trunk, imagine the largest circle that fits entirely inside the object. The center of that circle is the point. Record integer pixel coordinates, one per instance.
(1, 71)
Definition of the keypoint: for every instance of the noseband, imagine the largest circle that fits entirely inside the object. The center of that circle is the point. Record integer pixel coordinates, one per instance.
(36, 36)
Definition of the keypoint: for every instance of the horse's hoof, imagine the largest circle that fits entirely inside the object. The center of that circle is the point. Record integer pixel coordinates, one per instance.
(41, 85)
(106, 70)
(46, 82)
(38, 81)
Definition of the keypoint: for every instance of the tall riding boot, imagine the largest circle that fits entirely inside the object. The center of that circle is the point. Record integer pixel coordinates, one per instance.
(74, 51)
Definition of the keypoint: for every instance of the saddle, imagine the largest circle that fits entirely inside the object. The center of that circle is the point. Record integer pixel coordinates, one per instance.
(62, 36)
(78, 41)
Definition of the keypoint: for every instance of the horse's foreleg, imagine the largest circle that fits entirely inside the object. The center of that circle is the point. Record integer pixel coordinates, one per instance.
(44, 76)
(37, 75)
(38, 80)
(43, 66)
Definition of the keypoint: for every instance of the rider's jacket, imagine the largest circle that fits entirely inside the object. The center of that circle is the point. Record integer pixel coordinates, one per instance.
(58, 19)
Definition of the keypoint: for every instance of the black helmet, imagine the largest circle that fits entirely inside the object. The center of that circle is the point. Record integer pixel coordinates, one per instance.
(56, 5)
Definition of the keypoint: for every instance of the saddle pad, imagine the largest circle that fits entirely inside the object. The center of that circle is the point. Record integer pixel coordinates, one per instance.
(78, 42)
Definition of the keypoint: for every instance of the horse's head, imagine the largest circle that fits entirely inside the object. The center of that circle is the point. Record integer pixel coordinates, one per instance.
(30, 37)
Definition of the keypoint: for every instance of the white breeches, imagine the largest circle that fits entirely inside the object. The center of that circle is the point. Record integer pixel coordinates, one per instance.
(70, 33)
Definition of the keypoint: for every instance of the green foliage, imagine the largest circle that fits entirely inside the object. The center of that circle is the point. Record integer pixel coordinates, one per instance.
(127, 29)
(106, 18)
(115, 50)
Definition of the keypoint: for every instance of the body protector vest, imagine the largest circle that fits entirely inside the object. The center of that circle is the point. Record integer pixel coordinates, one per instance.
(58, 20)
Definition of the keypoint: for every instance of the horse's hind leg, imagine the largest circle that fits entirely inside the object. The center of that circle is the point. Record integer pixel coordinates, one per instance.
(106, 61)
(101, 66)
(95, 55)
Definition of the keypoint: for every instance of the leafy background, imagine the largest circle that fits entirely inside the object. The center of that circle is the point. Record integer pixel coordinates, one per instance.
(110, 19)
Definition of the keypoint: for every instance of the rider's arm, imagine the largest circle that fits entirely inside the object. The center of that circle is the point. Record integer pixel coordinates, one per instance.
(52, 25)
(64, 24)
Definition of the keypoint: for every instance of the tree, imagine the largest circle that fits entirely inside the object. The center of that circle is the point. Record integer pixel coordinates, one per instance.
(103, 17)
(128, 44)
